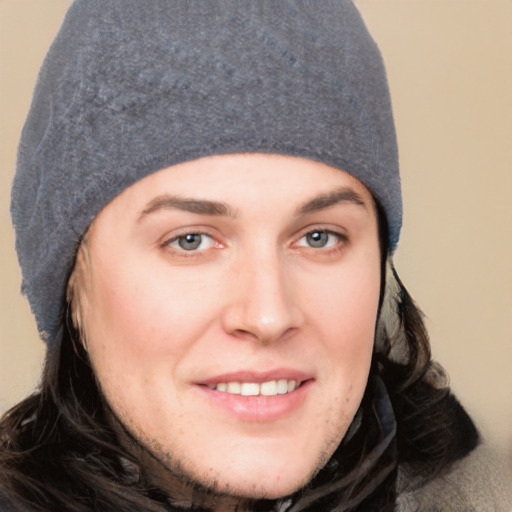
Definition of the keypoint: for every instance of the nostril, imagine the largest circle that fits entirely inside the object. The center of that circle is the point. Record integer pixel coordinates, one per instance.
(263, 336)
(245, 334)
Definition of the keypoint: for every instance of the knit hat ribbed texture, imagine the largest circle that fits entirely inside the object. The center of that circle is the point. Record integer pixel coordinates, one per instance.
(133, 86)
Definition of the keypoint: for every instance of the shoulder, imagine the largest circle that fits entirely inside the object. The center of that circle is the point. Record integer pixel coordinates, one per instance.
(480, 482)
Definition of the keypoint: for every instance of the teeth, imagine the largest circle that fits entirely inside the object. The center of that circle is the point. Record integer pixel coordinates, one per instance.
(282, 386)
(250, 389)
(270, 388)
(234, 388)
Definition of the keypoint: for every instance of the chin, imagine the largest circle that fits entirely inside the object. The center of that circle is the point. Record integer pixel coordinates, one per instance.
(264, 476)
(246, 477)
(276, 487)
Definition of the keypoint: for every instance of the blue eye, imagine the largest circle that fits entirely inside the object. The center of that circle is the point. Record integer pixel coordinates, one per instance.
(191, 242)
(320, 239)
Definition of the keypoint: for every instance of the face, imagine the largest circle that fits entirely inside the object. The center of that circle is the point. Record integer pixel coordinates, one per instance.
(229, 308)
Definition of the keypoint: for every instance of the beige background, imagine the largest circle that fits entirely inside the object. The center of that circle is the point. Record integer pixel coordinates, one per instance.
(450, 69)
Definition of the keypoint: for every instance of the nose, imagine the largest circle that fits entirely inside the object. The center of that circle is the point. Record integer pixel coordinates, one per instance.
(263, 304)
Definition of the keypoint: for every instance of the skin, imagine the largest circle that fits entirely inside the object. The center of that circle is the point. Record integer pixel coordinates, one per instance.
(257, 294)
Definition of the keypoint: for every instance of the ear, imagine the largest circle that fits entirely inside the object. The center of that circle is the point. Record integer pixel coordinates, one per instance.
(77, 291)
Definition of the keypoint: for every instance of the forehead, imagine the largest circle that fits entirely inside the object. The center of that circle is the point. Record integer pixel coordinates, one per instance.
(245, 181)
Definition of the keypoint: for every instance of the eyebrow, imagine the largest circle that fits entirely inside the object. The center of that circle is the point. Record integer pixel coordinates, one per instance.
(217, 208)
(324, 201)
(199, 206)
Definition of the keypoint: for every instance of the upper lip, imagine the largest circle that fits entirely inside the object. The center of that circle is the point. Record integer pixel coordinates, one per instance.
(258, 376)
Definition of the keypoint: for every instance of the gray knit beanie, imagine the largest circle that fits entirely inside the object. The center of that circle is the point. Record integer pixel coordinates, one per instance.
(133, 86)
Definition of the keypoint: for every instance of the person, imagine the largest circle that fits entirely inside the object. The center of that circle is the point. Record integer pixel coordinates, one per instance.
(206, 205)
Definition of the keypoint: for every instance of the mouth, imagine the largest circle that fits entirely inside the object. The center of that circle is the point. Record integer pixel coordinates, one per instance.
(268, 388)
(259, 397)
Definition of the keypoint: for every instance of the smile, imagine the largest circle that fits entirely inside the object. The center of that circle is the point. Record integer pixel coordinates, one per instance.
(269, 388)
(260, 397)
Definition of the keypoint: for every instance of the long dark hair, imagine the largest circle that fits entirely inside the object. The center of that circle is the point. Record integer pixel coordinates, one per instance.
(59, 451)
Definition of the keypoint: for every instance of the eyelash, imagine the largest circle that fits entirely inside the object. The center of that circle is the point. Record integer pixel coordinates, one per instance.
(184, 252)
(330, 233)
(334, 247)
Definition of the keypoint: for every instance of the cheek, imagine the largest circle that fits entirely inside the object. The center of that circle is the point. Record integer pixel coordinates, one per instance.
(142, 323)
(346, 305)
(344, 312)
(140, 330)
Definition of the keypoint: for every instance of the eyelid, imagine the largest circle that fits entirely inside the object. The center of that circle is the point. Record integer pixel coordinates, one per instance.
(323, 231)
(324, 228)
(189, 230)
(178, 237)
(340, 234)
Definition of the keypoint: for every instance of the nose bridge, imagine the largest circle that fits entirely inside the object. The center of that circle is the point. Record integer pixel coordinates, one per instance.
(263, 305)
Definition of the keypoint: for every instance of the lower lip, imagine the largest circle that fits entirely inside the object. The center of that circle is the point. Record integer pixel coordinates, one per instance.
(259, 408)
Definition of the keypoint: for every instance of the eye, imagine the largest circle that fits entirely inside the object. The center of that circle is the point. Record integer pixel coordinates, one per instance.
(320, 239)
(191, 242)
